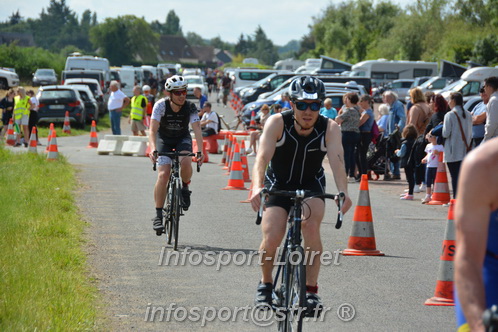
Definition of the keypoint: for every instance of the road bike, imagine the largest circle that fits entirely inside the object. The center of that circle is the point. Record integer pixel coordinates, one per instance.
(289, 286)
(173, 207)
(235, 124)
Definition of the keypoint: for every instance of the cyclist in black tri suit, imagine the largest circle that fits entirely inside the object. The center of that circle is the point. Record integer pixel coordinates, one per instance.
(169, 130)
(292, 148)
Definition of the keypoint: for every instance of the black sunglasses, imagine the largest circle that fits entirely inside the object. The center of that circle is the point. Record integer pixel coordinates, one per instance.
(303, 106)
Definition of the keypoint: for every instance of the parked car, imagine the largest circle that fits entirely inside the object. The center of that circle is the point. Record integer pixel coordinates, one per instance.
(196, 81)
(44, 76)
(267, 84)
(472, 103)
(94, 87)
(400, 87)
(91, 105)
(55, 100)
(8, 79)
(418, 81)
(95, 74)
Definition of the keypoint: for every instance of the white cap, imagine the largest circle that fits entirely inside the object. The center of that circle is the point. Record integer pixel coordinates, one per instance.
(146, 88)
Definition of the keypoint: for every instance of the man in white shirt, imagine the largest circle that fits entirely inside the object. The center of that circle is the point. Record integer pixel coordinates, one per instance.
(491, 89)
(117, 102)
(209, 121)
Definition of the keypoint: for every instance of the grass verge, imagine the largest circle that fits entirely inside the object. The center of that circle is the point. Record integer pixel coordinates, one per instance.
(45, 283)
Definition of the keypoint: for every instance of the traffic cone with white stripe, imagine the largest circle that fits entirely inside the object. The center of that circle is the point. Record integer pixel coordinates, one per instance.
(443, 295)
(67, 125)
(243, 158)
(50, 132)
(236, 180)
(441, 193)
(362, 239)
(230, 159)
(11, 136)
(94, 141)
(252, 124)
(229, 151)
(33, 142)
(225, 149)
(53, 152)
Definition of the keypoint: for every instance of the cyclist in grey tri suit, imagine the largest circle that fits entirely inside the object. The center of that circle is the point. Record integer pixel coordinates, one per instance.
(292, 148)
(169, 129)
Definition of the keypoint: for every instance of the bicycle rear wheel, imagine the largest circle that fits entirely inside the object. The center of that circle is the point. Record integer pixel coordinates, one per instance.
(176, 213)
(295, 291)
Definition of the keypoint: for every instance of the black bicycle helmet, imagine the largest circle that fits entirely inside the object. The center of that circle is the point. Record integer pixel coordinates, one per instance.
(175, 83)
(307, 87)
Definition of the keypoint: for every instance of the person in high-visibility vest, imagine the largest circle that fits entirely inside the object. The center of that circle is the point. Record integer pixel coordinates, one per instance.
(22, 105)
(138, 112)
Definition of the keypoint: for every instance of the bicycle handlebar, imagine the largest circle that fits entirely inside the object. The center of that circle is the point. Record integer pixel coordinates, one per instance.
(302, 194)
(490, 318)
(174, 154)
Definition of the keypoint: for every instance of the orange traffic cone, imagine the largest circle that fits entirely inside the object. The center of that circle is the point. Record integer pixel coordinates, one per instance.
(253, 121)
(243, 158)
(50, 132)
(53, 153)
(33, 142)
(362, 239)
(11, 136)
(229, 151)
(236, 180)
(67, 125)
(94, 142)
(225, 149)
(230, 159)
(204, 151)
(441, 193)
(443, 295)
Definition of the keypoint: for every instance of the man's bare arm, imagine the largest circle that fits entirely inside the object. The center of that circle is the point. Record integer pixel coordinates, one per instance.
(472, 213)
(267, 143)
(154, 126)
(196, 126)
(335, 155)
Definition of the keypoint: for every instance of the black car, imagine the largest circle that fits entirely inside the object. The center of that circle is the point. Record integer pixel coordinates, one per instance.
(267, 84)
(55, 100)
(44, 76)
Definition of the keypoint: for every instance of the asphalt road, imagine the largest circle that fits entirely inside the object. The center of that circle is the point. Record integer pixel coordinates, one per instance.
(137, 274)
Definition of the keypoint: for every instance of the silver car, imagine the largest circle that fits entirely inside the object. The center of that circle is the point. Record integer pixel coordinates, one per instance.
(44, 76)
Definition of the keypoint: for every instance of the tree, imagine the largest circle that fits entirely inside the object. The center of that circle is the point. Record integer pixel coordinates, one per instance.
(124, 39)
(486, 51)
(194, 39)
(263, 49)
(172, 25)
(15, 18)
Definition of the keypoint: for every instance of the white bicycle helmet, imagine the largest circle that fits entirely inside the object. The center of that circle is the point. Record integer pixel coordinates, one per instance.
(175, 82)
(146, 88)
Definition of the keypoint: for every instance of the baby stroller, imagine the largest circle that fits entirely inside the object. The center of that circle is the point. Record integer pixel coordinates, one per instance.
(381, 153)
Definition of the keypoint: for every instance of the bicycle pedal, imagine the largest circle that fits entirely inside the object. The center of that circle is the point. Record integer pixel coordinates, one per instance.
(159, 233)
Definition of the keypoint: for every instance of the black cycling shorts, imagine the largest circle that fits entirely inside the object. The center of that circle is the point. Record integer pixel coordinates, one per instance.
(167, 144)
(286, 202)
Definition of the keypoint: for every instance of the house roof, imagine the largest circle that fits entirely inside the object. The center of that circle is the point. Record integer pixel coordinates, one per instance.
(204, 53)
(176, 49)
(24, 39)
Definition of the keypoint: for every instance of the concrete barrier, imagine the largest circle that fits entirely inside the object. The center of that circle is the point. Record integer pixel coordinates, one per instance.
(135, 145)
(112, 144)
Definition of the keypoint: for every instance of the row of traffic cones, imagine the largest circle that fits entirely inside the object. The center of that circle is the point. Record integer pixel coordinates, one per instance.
(234, 160)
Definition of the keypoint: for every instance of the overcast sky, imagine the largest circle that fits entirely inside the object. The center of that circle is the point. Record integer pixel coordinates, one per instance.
(282, 21)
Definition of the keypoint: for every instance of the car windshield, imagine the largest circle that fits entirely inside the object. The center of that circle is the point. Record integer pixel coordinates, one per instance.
(194, 80)
(57, 94)
(44, 72)
(455, 86)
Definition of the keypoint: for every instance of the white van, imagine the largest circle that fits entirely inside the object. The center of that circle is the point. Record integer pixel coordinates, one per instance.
(470, 82)
(242, 77)
(382, 70)
(86, 62)
(288, 64)
(127, 75)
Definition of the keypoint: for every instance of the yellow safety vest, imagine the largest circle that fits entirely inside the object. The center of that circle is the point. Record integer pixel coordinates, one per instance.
(137, 111)
(21, 107)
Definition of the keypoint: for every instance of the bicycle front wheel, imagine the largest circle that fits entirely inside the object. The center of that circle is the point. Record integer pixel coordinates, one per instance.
(176, 213)
(295, 290)
(168, 218)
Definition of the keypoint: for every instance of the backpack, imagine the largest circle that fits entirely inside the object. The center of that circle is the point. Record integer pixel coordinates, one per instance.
(219, 123)
(418, 150)
(375, 132)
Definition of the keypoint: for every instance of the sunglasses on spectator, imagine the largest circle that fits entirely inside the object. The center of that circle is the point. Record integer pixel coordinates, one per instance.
(303, 106)
(179, 92)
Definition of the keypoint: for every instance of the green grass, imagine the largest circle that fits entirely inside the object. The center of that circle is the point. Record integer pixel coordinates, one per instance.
(45, 284)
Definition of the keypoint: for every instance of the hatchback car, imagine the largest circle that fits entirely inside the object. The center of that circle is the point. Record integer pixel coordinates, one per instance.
(44, 76)
(55, 100)
(196, 81)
